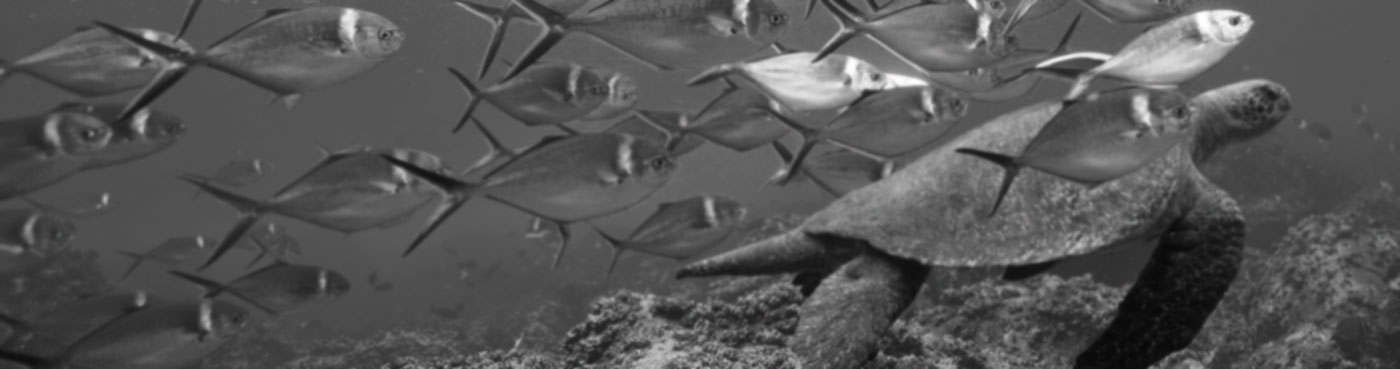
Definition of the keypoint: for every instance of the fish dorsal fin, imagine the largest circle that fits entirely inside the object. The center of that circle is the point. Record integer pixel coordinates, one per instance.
(274, 12)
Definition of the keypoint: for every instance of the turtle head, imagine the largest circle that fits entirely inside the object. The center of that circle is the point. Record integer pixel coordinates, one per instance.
(1238, 112)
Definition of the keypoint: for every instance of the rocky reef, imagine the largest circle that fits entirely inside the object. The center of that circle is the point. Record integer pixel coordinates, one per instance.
(1327, 294)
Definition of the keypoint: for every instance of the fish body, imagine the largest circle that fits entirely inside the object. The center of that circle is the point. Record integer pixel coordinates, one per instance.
(563, 179)
(301, 50)
(147, 133)
(682, 229)
(41, 150)
(550, 94)
(1106, 136)
(172, 253)
(894, 122)
(55, 329)
(661, 127)
(581, 177)
(883, 124)
(280, 287)
(29, 238)
(663, 34)
(357, 192)
(174, 335)
(1168, 54)
(92, 62)
(798, 83)
(740, 119)
(348, 192)
(622, 96)
(287, 52)
(1137, 11)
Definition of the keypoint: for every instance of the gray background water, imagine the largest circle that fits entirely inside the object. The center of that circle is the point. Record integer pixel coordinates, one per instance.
(1330, 54)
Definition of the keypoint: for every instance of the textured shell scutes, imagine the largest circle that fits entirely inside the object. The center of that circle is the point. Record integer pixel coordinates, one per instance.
(935, 209)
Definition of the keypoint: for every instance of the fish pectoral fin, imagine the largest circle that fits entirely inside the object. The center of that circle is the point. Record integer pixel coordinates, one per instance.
(609, 178)
(559, 96)
(724, 26)
(390, 187)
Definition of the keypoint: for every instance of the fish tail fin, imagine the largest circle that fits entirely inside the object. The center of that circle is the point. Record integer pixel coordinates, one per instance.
(263, 251)
(1073, 66)
(189, 16)
(163, 80)
(499, 25)
(614, 244)
(553, 32)
(711, 74)
(1006, 162)
(249, 210)
(674, 134)
(457, 193)
(851, 26)
(786, 157)
(213, 289)
(810, 138)
(807, 13)
(1017, 15)
(473, 98)
(137, 260)
(601, 5)
(564, 236)
(1063, 45)
(494, 149)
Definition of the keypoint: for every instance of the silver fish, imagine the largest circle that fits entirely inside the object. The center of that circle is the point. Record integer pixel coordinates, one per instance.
(1104, 137)
(660, 126)
(52, 330)
(30, 238)
(1138, 11)
(681, 229)
(660, 33)
(277, 288)
(288, 52)
(885, 124)
(93, 62)
(173, 252)
(42, 150)
(840, 171)
(562, 179)
(346, 192)
(932, 37)
(740, 119)
(146, 133)
(544, 95)
(798, 83)
(1164, 56)
(174, 335)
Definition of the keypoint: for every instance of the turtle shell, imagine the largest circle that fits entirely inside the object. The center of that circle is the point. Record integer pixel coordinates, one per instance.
(935, 209)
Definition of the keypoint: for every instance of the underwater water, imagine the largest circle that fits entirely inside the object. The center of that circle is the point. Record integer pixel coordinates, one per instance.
(1319, 285)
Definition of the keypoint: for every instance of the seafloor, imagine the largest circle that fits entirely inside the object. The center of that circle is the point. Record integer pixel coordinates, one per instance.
(1320, 289)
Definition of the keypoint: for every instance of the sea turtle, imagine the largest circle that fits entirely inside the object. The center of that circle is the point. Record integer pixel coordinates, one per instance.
(872, 249)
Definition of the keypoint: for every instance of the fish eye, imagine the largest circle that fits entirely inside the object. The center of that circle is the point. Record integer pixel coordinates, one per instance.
(90, 134)
(877, 77)
(1179, 112)
(57, 234)
(1235, 20)
(997, 5)
(777, 19)
(659, 163)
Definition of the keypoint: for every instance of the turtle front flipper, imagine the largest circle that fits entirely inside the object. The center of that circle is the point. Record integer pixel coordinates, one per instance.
(843, 320)
(1189, 273)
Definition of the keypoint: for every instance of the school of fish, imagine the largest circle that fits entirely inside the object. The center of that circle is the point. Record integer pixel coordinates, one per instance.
(964, 52)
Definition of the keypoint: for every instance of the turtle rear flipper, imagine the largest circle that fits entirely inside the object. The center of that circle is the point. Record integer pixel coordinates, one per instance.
(843, 320)
(1188, 275)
